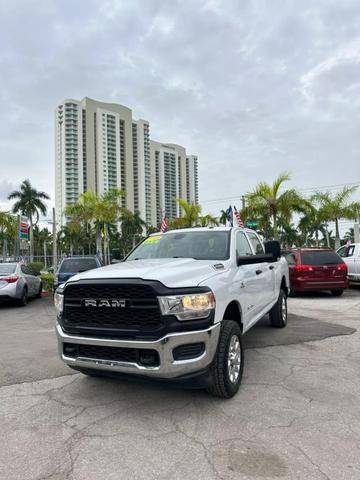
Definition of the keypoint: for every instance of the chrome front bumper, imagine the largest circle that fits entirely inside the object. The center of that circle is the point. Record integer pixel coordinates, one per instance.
(168, 367)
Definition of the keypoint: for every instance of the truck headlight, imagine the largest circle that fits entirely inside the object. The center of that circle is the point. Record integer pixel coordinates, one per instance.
(59, 301)
(188, 307)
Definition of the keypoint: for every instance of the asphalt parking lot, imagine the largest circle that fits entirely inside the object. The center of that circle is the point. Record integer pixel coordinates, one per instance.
(296, 416)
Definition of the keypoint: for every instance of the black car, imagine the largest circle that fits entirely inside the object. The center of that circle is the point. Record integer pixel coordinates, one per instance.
(70, 266)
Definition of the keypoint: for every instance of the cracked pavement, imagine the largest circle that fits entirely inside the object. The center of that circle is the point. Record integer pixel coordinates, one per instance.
(296, 416)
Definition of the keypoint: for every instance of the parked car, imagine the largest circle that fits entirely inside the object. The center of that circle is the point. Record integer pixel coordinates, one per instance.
(351, 256)
(315, 269)
(70, 266)
(19, 282)
(176, 309)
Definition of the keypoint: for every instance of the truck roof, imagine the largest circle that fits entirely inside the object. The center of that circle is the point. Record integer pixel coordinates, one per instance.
(203, 229)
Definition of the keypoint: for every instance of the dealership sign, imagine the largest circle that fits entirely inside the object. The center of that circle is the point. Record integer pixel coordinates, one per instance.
(24, 228)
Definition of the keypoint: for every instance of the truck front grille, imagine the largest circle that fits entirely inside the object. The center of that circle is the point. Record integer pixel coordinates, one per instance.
(141, 312)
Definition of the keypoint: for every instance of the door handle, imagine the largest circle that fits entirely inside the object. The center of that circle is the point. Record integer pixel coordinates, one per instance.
(258, 272)
(271, 267)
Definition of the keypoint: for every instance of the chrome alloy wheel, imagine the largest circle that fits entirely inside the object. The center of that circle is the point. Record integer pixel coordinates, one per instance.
(284, 309)
(234, 359)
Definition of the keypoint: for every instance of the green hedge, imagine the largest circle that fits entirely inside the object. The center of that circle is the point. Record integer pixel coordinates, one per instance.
(37, 266)
(47, 281)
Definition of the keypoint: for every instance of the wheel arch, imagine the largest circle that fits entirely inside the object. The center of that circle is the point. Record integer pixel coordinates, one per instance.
(284, 286)
(233, 312)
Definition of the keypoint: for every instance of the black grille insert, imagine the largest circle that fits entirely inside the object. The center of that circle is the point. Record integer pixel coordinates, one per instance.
(145, 357)
(141, 312)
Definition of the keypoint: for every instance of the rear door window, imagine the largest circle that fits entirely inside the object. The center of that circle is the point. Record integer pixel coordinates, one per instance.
(255, 242)
(74, 265)
(320, 258)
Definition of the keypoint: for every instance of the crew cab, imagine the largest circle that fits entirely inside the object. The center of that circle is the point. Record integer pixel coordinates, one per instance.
(175, 309)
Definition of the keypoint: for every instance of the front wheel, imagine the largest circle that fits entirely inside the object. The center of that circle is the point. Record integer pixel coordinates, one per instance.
(39, 294)
(227, 367)
(278, 313)
(337, 293)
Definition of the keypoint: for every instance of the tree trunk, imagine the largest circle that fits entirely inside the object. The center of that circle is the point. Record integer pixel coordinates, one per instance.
(31, 240)
(317, 237)
(327, 237)
(337, 234)
(275, 232)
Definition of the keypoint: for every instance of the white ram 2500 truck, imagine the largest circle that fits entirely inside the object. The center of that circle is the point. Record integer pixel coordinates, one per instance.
(176, 308)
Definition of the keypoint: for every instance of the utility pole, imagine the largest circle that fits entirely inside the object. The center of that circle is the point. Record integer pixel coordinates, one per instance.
(45, 258)
(243, 201)
(54, 239)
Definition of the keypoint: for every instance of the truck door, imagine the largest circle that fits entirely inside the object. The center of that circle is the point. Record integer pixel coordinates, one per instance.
(265, 274)
(247, 282)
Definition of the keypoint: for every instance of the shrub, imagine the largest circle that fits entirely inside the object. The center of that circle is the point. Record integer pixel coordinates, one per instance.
(36, 266)
(47, 281)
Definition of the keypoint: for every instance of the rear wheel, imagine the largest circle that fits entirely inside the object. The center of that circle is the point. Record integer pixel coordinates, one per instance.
(227, 367)
(278, 314)
(24, 298)
(337, 293)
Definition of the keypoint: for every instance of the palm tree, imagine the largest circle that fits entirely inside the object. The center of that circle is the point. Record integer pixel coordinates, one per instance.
(312, 223)
(8, 230)
(100, 211)
(267, 203)
(337, 206)
(190, 213)
(132, 227)
(223, 217)
(29, 203)
(208, 221)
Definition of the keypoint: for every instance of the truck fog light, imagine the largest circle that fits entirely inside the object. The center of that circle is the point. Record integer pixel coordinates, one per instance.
(149, 358)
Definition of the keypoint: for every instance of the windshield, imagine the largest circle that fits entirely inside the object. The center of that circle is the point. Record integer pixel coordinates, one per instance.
(198, 245)
(75, 265)
(7, 268)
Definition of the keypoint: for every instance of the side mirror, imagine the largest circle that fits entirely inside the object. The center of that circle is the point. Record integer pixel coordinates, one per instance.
(250, 259)
(273, 247)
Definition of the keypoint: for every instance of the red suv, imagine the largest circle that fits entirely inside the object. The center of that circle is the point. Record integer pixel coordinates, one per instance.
(314, 269)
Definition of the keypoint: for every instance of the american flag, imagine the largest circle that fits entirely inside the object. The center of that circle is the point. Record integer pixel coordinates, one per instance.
(164, 225)
(238, 218)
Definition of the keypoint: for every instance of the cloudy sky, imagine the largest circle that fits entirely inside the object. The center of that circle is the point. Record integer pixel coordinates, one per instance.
(253, 87)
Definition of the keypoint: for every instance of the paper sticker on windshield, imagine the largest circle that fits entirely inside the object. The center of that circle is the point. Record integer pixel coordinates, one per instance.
(154, 239)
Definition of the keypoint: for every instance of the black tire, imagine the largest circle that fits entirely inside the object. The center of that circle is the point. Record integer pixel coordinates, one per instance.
(337, 293)
(221, 384)
(278, 313)
(24, 298)
(292, 293)
(39, 294)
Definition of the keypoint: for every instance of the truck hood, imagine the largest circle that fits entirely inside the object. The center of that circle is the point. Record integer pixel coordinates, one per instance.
(171, 272)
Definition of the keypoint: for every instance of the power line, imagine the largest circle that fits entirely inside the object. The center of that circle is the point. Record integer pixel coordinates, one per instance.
(239, 195)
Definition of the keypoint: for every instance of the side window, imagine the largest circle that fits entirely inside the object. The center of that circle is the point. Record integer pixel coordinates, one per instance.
(24, 269)
(290, 258)
(350, 251)
(242, 245)
(343, 252)
(255, 242)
